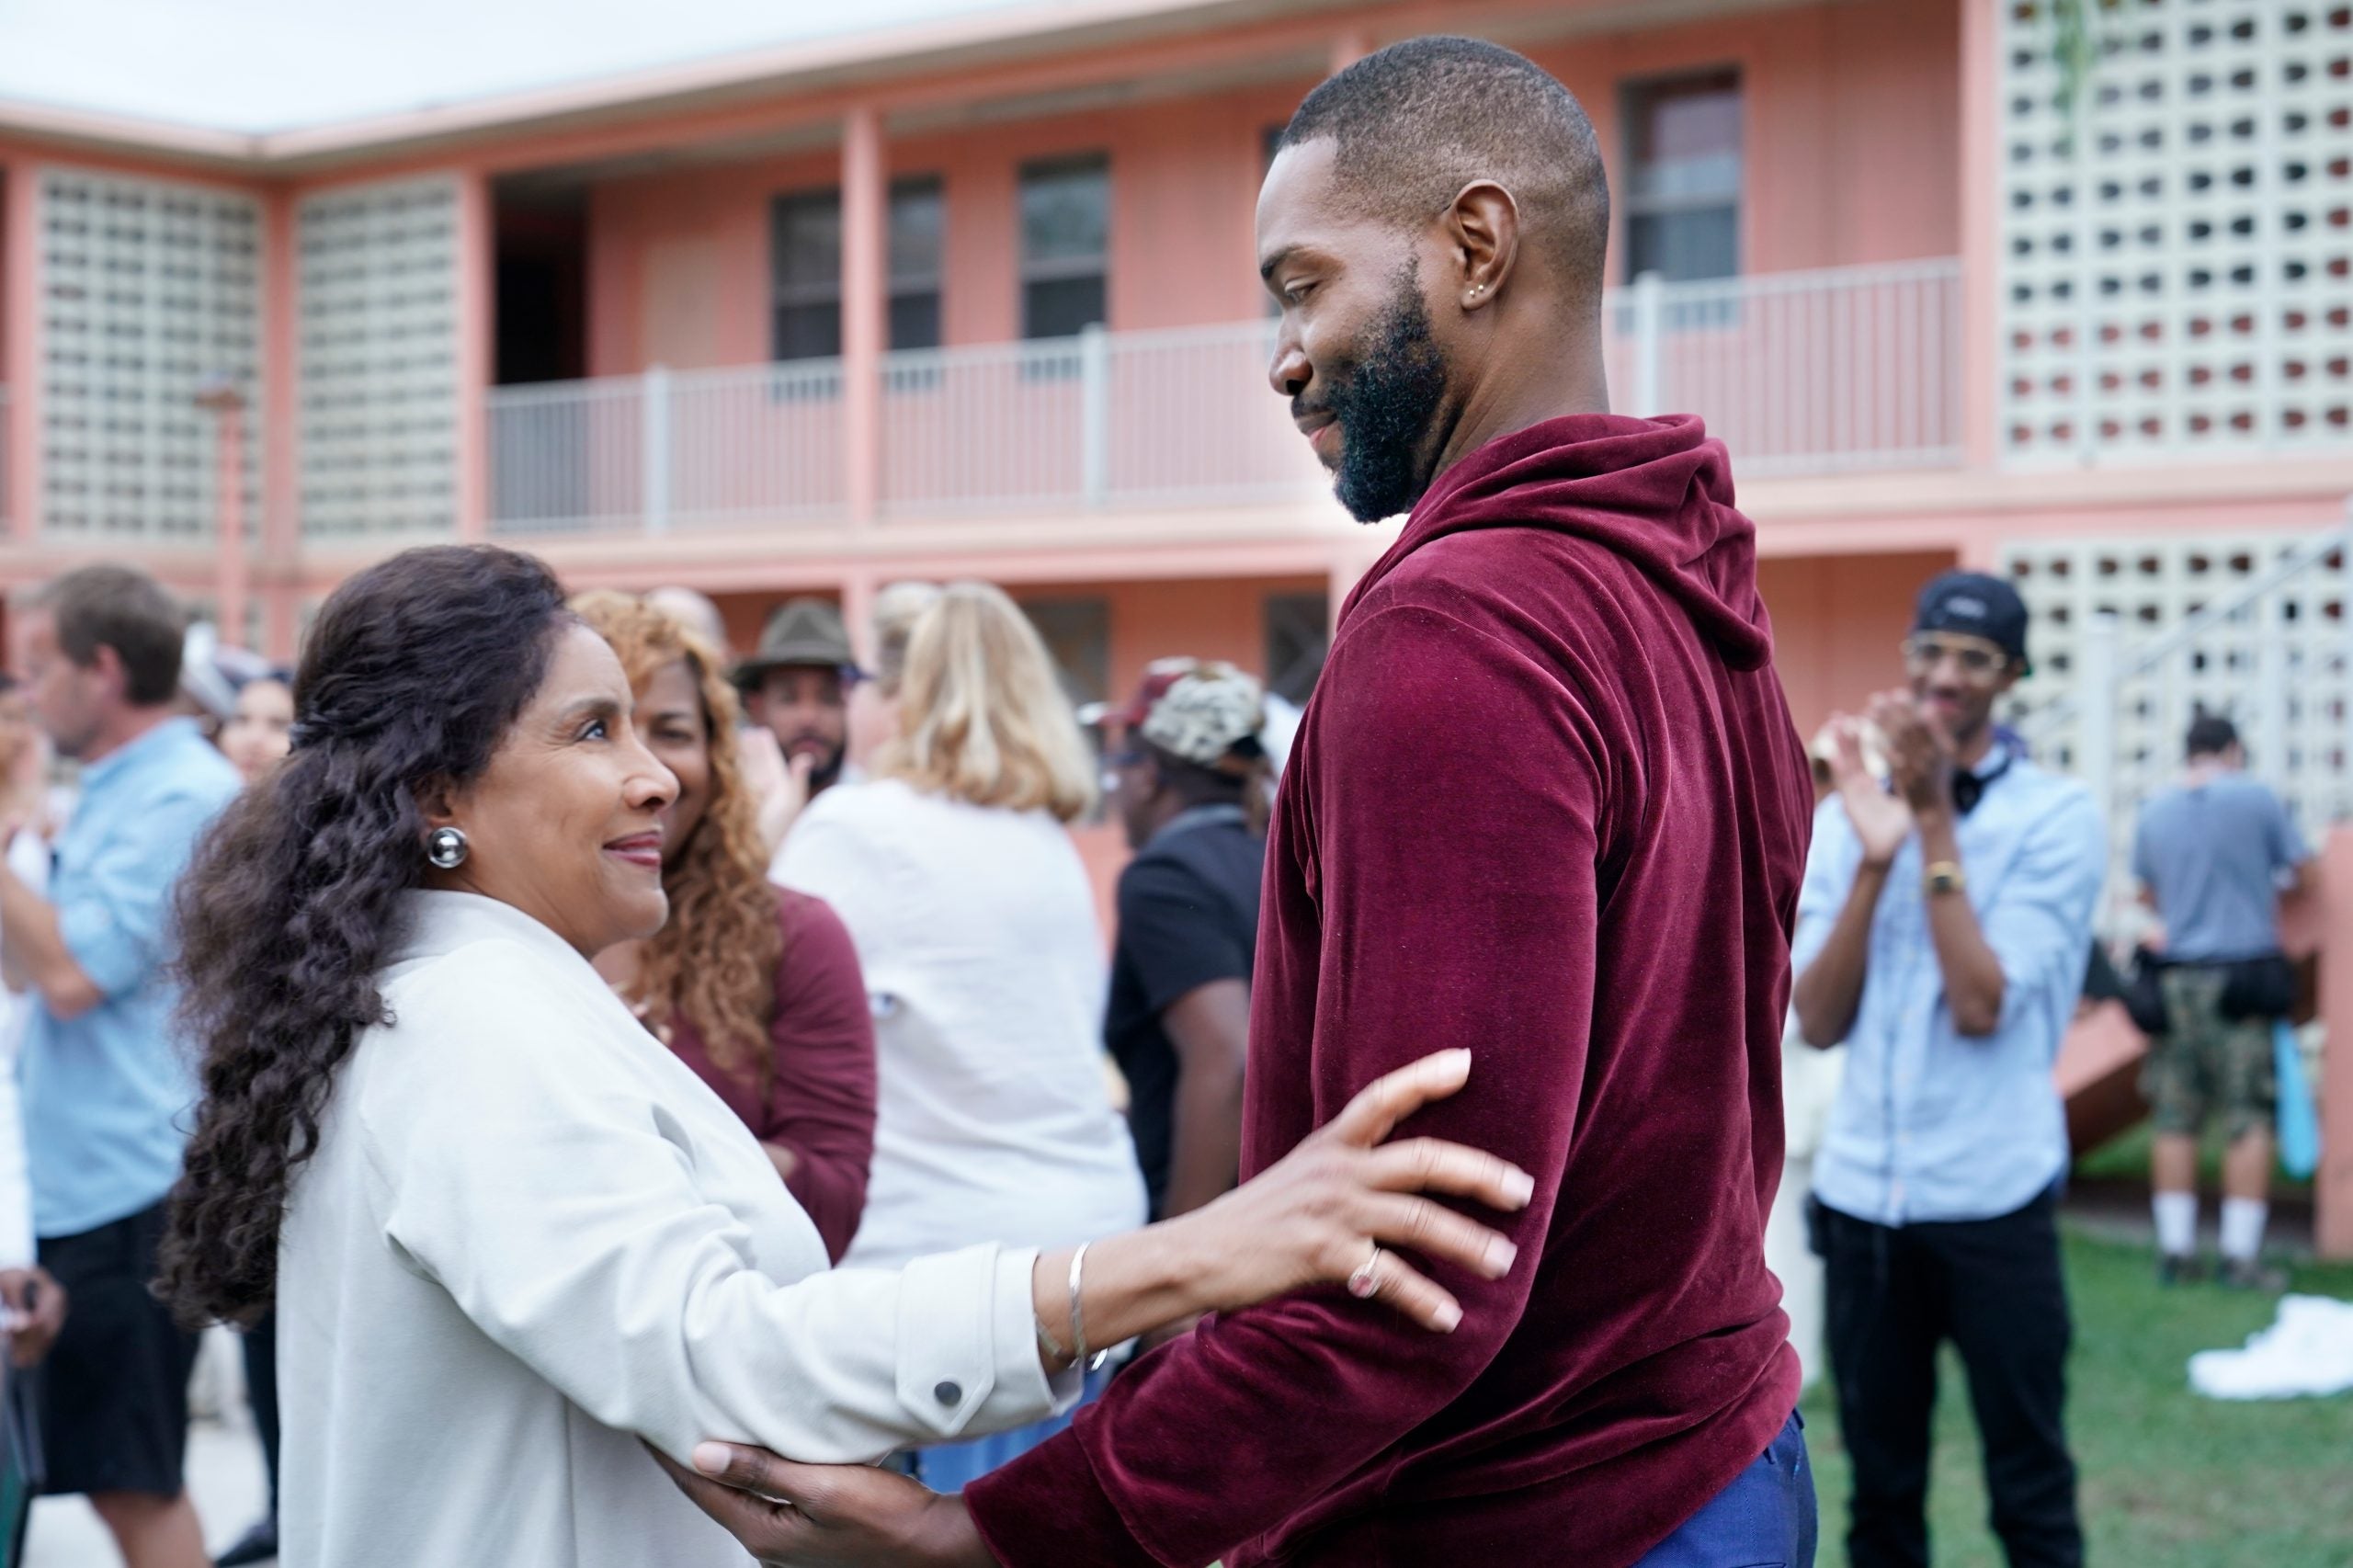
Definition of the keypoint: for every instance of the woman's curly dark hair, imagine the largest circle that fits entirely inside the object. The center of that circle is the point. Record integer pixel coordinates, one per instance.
(414, 671)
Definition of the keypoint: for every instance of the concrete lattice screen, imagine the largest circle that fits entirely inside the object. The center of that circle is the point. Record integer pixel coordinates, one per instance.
(2176, 256)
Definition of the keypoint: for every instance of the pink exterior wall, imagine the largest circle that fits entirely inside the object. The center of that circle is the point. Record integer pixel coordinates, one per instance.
(1836, 621)
(1852, 151)
(1852, 156)
(2333, 1184)
(678, 261)
(1206, 617)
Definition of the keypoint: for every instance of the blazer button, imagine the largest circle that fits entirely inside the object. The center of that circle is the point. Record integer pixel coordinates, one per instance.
(949, 1393)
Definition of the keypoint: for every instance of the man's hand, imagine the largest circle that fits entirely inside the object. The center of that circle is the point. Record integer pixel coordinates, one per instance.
(1881, 821)
(1919, 753)
(781, 787)
(811, 1516)
(32, 1311)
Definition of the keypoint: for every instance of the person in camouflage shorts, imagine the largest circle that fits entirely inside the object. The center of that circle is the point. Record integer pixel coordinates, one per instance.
(2212, 855)
(2206, 1063)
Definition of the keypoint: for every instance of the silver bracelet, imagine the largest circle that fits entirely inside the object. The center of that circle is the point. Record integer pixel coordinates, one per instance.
(1078, 1354)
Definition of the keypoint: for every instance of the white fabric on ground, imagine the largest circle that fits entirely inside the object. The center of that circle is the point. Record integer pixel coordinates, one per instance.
(2308, 1350)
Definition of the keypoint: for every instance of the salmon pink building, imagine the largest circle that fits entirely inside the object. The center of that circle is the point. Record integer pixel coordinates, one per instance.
(2055, 287)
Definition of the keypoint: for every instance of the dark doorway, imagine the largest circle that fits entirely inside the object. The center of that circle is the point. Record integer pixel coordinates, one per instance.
(542, 283)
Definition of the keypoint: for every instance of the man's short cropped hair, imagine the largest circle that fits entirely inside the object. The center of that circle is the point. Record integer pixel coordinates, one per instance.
(2210, 734)
(123, 609)
(1416, 122)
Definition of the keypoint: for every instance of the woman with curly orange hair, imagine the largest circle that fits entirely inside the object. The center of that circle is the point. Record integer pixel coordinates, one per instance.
(754, 987)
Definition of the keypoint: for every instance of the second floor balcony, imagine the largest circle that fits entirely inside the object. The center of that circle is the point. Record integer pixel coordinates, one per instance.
(1800, 373)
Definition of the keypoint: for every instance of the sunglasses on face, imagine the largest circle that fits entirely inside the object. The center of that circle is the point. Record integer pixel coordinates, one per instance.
(1922, 654)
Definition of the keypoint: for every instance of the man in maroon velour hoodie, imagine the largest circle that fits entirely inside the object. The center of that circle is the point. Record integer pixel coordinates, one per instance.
(1548, 804)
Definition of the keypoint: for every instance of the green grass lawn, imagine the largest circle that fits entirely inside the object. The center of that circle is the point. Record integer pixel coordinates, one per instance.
(2169, 1479)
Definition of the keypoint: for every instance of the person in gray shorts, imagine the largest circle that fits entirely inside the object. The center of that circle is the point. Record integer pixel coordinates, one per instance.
(2213, 854)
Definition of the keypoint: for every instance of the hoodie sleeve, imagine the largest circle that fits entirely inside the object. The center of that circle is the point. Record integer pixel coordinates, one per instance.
(1438, 762)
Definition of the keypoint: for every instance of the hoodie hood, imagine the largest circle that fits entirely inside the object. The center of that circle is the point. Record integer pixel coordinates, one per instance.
(1657, 491)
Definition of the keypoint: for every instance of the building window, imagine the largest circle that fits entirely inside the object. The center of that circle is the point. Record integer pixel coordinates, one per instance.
(918, 222)
(805, 258)
(1065, 244)
(1683, 196)
(806, 263)
(1299, 634)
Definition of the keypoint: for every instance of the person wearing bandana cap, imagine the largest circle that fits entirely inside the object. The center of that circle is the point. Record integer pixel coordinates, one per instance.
(1189, 786)
(1940, 935)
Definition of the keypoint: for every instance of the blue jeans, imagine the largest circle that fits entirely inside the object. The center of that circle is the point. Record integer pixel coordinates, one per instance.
(1764, 1520)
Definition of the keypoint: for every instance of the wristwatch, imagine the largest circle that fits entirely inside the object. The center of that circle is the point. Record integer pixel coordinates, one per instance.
(1945, 876)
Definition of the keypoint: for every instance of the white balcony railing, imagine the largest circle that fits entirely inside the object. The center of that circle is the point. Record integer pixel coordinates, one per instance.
(688, 447)
(1801, 372)
(1813, 372)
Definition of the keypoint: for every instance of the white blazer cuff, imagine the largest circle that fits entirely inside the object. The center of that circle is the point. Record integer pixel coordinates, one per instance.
(968, 1345)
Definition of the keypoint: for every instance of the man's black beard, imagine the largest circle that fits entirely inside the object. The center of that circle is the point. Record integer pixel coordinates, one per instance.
(1385, 405)
(827, 774)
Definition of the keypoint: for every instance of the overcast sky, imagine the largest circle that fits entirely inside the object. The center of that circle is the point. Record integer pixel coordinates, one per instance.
(268, 64)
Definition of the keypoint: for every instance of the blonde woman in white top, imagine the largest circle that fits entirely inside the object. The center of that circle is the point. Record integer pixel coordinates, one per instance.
(975, 925)
(513, 1242)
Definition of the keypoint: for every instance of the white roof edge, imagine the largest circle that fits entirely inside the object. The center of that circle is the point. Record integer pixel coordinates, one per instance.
(59, 122)
(879, 53)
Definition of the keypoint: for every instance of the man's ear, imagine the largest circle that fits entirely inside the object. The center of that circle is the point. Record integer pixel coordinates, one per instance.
(1483, 226)
(106, 662)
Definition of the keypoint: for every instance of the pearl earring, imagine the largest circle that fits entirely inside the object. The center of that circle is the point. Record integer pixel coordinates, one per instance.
(446, 849)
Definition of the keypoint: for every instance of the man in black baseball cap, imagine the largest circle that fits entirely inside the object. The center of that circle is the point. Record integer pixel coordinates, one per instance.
(1975, 605)
(1960, 887)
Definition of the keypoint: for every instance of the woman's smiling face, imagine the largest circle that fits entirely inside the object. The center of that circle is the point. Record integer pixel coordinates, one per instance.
(566, 823)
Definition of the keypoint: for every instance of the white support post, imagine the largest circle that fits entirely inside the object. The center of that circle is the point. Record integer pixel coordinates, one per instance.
(1094, 414)
(2272, 684)
(2095, 713)
(653, 447)
(1650, 313)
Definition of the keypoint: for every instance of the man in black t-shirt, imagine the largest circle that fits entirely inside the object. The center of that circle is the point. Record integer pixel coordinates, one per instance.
(1191, 789)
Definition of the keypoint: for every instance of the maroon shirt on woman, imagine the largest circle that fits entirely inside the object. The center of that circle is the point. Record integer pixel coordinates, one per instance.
(1548, 804)
(819, 1101)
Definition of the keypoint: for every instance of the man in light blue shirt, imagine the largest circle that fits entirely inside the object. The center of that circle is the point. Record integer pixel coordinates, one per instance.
(106, 1088)
(1941, 934)
(2212, 854)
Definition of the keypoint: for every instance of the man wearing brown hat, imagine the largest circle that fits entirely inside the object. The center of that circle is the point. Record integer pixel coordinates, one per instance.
(795, 686)
(1189, 786)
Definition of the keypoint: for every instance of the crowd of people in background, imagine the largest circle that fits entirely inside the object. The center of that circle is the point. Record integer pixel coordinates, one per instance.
(884, 956)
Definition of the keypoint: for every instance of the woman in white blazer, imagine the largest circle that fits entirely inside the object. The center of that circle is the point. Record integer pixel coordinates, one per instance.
(512, 1241)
